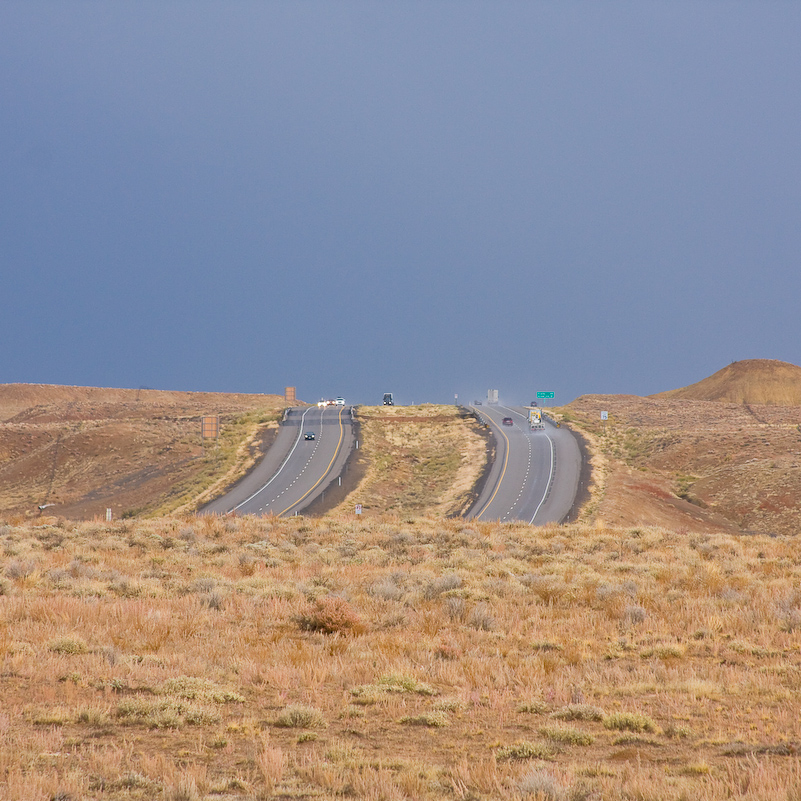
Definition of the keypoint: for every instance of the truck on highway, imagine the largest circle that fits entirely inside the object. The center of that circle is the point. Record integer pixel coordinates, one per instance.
(388, 399)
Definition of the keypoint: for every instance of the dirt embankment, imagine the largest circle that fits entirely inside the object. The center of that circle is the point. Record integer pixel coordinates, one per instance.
(694, 465)
(79, 450)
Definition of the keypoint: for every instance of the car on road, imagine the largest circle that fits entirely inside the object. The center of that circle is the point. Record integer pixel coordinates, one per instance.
(507, 421)
(339, 402)
(309, 436)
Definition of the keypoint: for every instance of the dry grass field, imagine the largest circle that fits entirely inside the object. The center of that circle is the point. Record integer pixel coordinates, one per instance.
(85, 449)
(396, 658)
(418, 460)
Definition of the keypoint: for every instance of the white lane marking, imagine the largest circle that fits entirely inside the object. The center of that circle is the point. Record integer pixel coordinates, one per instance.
(283, 464)
(308, 462)
(525, 477)
(548, 485)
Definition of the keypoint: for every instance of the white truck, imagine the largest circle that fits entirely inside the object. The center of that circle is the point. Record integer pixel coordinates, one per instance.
(535, 420)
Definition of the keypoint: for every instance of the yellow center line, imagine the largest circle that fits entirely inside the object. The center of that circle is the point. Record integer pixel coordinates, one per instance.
(503, 472)
(336, 453)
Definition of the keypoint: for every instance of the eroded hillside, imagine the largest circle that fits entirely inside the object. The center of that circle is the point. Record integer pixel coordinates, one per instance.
(81, 450)
(694, 465)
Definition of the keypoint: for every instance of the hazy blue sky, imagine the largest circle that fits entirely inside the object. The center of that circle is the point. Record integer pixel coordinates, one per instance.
(418, 197)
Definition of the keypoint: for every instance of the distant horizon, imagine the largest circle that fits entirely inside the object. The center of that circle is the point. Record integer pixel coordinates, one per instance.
(425, 198)
(463, 401)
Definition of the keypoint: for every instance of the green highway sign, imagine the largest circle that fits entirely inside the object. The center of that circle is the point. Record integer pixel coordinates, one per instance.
(545, 394)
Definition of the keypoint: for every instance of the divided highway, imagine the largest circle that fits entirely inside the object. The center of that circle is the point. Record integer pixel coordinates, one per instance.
(295, 471)
(536, 474)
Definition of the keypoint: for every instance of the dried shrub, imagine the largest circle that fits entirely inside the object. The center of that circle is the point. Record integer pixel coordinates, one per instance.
(297, 716)
(664, 651)
(247, 564)
(548, 589)
(567, 735)
(20, 569)
(68, 645)
(446, 583)
(164, 713)
(629, 721)
(187, 534)
(579, 712)
(405, 684)
(455, 608)
(541, 785)
(634, 614)
(193, 688)
(204, 584)
(524, 749)
(214, 601)
(437, 719)
(387, 590)
(533, 707)
(331, 615)
(480, 618)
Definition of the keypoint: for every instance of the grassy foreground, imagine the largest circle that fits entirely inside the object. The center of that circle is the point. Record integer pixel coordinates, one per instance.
(396, 658)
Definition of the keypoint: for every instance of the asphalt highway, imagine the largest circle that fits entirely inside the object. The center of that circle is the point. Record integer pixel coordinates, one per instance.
(535, 476)
(294, 471)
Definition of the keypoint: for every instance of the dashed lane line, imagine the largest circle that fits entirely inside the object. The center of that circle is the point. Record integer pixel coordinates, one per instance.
(503, 472)
(327, 469)
(283, 464)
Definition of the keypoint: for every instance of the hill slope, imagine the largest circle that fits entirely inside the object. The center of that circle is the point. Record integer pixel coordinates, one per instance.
(763, 381)
(693, 465)
(81, 450)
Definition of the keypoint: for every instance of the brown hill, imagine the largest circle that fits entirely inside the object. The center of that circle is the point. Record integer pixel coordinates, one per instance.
(761, 381)
(81, 450)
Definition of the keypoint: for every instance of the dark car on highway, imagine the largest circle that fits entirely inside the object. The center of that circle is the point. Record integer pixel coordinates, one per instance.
(507, 421)
(309, 435)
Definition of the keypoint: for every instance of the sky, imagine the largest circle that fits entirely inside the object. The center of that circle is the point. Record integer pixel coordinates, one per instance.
(429, 198)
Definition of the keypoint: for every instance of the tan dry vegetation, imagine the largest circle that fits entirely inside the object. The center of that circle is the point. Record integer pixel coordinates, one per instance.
(86, 449)
(419, 460)
(174, 659)
(692, 465)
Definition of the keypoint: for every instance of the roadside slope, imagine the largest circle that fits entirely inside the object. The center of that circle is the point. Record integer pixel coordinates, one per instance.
(86, 449)
(692, 465)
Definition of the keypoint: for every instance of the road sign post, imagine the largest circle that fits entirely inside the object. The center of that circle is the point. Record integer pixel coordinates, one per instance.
(545, 394)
